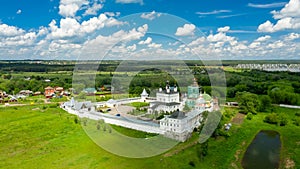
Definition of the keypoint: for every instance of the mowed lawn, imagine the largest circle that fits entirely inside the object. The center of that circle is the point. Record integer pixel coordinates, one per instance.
(47, 137)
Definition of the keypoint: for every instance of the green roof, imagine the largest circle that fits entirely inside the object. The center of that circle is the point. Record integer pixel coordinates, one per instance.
(206, 97)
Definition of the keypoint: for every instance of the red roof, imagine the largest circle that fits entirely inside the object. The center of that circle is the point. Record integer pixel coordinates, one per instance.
(48, 88)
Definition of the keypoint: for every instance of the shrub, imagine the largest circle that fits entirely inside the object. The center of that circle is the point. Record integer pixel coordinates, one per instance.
(282, 120)
(53, 106)
(279, 119)
(249, 116)
(297, 121)
(271, 118)
(223, 133)
(76, 120)
(191, 163)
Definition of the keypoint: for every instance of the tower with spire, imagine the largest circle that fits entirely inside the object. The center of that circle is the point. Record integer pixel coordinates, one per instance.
(193, 94)
(144, 95)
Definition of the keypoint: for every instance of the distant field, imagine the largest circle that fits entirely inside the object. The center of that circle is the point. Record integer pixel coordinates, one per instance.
(45, 137)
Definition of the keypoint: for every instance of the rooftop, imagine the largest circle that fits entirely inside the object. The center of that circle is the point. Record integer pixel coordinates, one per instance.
(177, 115)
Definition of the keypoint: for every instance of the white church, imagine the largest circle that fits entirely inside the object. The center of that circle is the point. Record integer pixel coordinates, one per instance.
(167, 100)
(179, 125)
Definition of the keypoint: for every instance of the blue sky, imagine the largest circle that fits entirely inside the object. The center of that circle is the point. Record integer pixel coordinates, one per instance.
(143, 29)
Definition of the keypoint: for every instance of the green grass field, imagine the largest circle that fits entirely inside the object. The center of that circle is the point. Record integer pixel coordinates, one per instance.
(47, 137)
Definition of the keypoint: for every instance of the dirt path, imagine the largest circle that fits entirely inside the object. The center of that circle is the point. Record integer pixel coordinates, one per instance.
(237, 155)
(238, 118)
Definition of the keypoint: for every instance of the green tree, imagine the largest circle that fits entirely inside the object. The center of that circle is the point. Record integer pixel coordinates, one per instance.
(82, 95)
(248, 102)
(265, 103)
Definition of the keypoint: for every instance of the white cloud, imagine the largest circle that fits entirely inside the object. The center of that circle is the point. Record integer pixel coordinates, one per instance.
(291, 9)
(271, 5)
(276, 44)
(6, 30)
(221, 36)
(69, 8)
(93, 10)
(288, 18)
(213, 12)
(147, 41)
(99, 46)
(130, 1)
(19, 11)
(263, 38)
(230, 16)
(26, 39)
(154, 45)
(266, 27)
(186, 30)
(112, 14)
(224, 29)
(292, 36)
(133, 34)
(70, 27)
(254, 44)
(131, 48)
(150, 16)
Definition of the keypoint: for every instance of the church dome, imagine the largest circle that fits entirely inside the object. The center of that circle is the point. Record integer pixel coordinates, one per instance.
(206, 97)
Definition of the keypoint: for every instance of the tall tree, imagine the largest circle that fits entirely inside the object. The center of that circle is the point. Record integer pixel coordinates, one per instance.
(248, 102)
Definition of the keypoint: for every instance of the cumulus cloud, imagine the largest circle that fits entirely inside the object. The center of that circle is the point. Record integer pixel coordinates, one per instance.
(222, 45)
(263, 38)
(154, 45)
(186, 30)
(20, 40)
(131, 48)
(287, 18)
(224, 29)
(150, 16)
(221, 36)
(147, 41)
(291, 9)
(115, 42)
(292, 36)
(70, 27)
(6, 30)
(93, 10)
(69, 8)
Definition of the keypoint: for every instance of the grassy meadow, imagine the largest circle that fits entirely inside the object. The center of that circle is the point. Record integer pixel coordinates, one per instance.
(47, 137)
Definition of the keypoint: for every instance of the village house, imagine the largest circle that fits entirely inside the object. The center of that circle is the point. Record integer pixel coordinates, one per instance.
(49, 92)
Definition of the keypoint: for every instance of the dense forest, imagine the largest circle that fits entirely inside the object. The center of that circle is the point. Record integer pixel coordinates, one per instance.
(279, 87)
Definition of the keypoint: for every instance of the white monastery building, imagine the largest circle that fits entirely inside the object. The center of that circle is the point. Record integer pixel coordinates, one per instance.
(176, 124)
